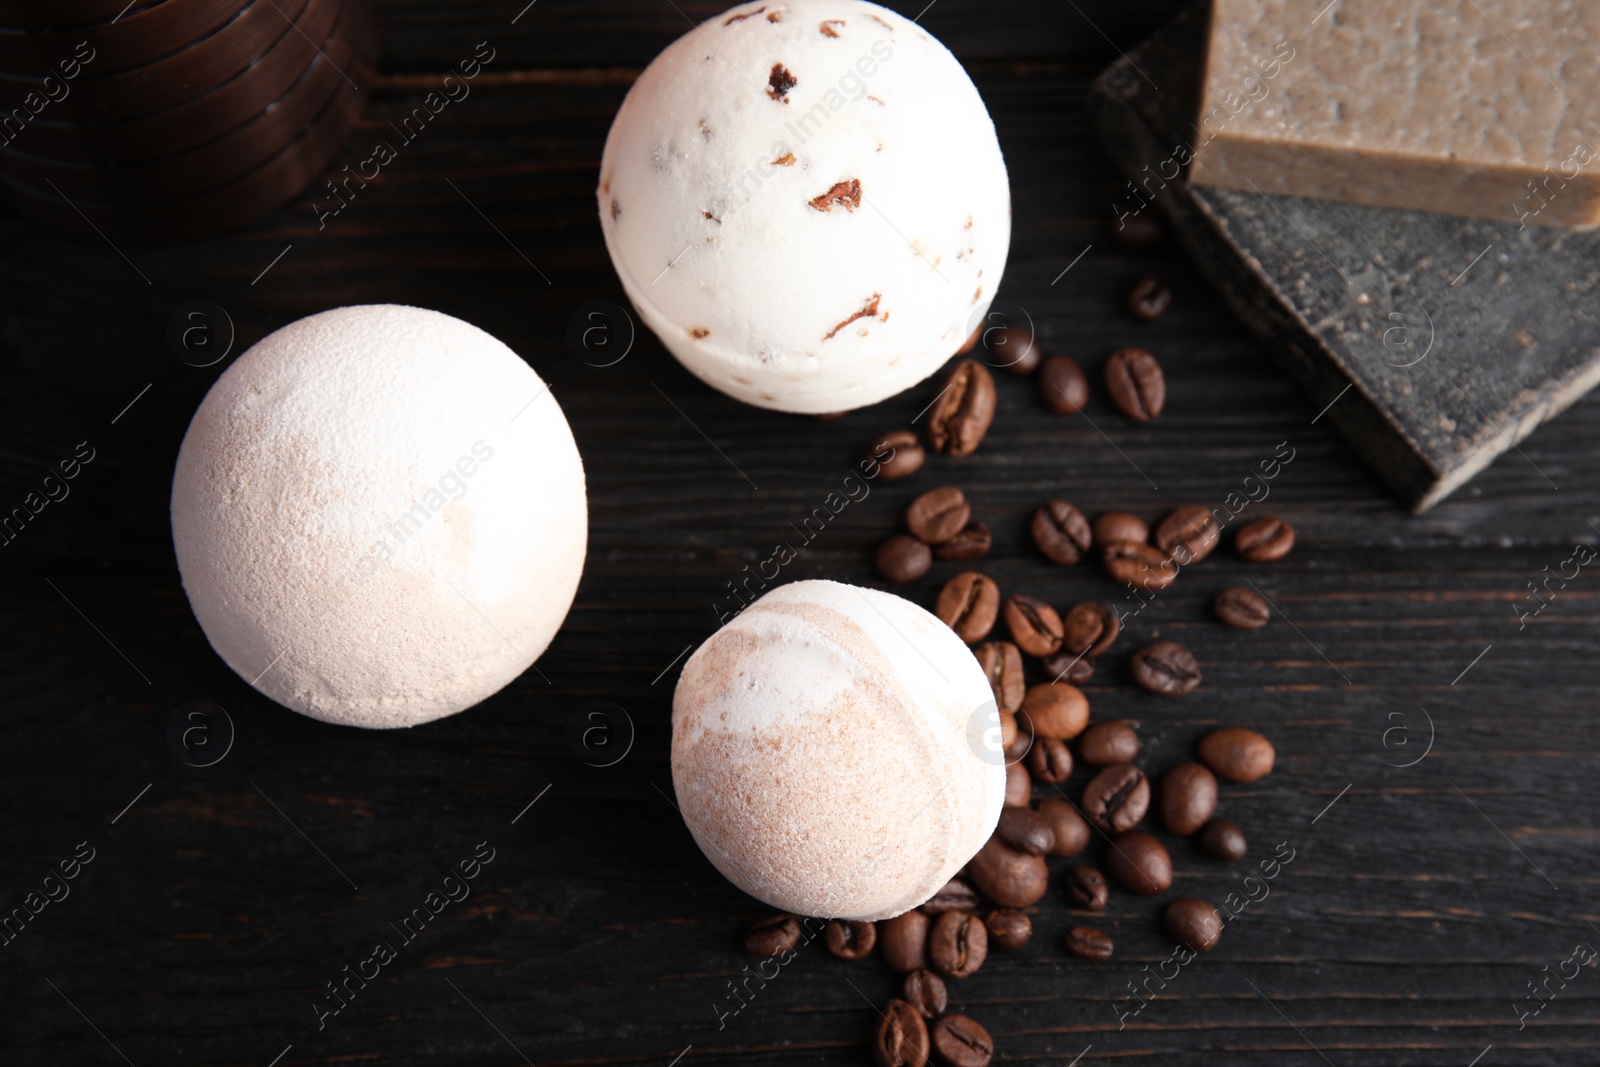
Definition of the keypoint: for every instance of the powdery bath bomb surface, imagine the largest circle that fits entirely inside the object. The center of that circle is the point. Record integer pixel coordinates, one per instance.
(806, 202)
(822, 752)
(379, 516)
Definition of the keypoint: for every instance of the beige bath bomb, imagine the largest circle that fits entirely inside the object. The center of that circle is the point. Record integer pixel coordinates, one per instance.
(825, 755)
(379, 516)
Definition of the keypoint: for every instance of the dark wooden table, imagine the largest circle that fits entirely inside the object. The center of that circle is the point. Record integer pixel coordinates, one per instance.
(1422, 901)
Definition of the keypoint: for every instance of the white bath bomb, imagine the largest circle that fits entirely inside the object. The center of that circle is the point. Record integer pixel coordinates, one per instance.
(806, 202)
(379, 516)
(824, 751)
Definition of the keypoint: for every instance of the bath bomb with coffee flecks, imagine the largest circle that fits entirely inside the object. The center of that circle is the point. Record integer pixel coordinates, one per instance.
(379, 516)
(836, 751)
(806, 201)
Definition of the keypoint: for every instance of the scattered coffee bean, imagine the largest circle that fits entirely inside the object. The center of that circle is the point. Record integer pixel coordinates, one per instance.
(1019, 748)
(925, 991)
(960, 1042)
(901, 1039)
(1087, 943)
(971, 543)
(902, 558)
(1063, 388)
(1008, 930)
(1193, 923)
(1237, 754)
(1071, 829)
(1223, 840)
(1165, 668)
(956, 895)
(1241, 608)
(903, 941)
(1069, 667)
(1136, 383)
(1188, 534)
(1117, 798)
(958, 944)
(1035, 627)
(1012, 349)
(1008, 729)
(1062, 533)
(772, 936)
(1264, 540)
(1019, 787)
(1116, 526)
(1026, 831)
(1188, 798)
(1105, 744)
(897, 453)
(964, 410)
(968, 604)
(938, 515)
(1010, 878)
(1050, 761)
(1087, 889)
(1090, 628)
(1139, 862)
(1149, 298)
(1002, 665)
(1140, 231)
(849, 939)
(1056, 709)
(1139, 565)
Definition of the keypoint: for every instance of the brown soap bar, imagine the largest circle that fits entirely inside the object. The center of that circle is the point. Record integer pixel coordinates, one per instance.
(1489, 108)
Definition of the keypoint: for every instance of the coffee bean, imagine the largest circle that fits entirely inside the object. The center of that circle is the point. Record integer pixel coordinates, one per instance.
(1140, 231)
(1105, 744)
(1223, 840)
(938, 515)
(903, 941)
(1002, 665)
(1136, 383)
(1264, 540)
(772, 936)
(897, 454)
(902, 558)
(1116, 526)
(964, 410)
(1149, 298)
(956, 895)
(1087, 943)
(1241, 608)
(1188, 798)
(1010, 878)
(1063, 388)
(1061, 532)
(1069, 667)
(968, 604)
(958, 944)
(1026, 831)
(1050, 761)
(1019, 787)
(1117, 798)
(901, 1039)
(849, 939)
(925, 991)
(1193, 923)
(960, 1042)
(1008, 930)
(1012, 349)
(1237, 754)
(1018, 748)
(1165, 668)
(1139, 862)
(1188, 534)
(1056, 709)
(1087, 889)
(1071, 829)
(1090, 628)
(1035, 627)
(1139, 565)
(971, 543)
(1008, 729)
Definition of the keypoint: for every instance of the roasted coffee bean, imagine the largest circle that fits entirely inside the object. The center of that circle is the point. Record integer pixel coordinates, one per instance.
(1139, 565)
(1140, 231)
(1117, 798)
(1010, 878)
(1237, 754)
(1087, 943)
(1069, 667)
(960, 1042)
(938, 515)
(1136, 383)
(1008, 730)
(1012, 349)
(1165, 668)
(1241, 608)
(1050, 761)
(772, 936)
(1139, 862)
(1019, 748)
(1223, 840)
(1149, 298)
(1056, 709)
(1264, 540)
(1090, 628)
(1188, 534)
(1026, 831)
(1087, 889)
(1035, 627)
(925, 991)
(1193, 923)
(958, 944)
(1071, 829)
(968, 604)
(956, 895)
(1063, 388)
(1105, 744)
(849, 939)
(1188, 798)
(897, 454)
(1019, 787)
(1008, 930)
(1061, 532)
(903, 941)
(971, 543)
(1002, 665)
(1116, 526)
(902, 558)
(901, 1039)
(964, 410)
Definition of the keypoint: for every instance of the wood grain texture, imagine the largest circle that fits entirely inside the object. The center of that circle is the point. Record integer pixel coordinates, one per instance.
(217, 906)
